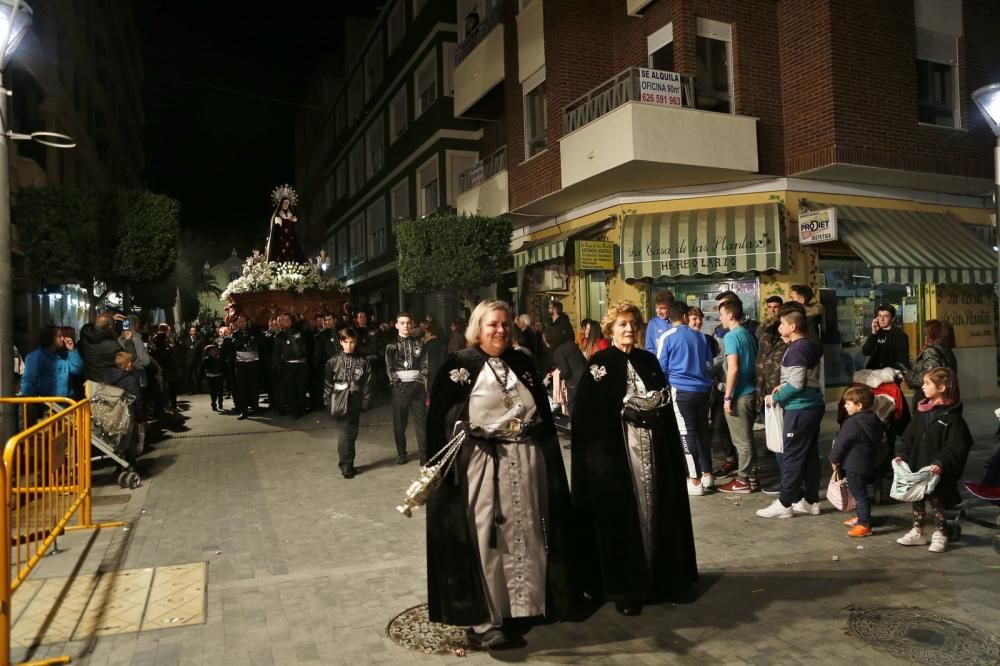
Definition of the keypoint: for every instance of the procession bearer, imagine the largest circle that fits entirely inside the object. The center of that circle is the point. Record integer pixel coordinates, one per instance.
(406, 362)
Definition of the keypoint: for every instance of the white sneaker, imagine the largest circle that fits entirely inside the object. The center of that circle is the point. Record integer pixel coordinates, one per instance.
(707, 481)
(775, 510)
(938, 542)
(802, 506)
(913, 538)
(695, 488)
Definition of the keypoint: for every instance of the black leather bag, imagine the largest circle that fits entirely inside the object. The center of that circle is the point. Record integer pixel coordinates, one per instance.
(339, 401)
(645, 411)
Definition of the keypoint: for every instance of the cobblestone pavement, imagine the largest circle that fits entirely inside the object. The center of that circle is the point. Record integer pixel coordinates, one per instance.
(308, 568)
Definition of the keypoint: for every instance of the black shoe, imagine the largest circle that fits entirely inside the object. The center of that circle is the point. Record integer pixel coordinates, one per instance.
(214, 408)
(401, 459)
(491, 638)
(242, 416)
(628, 608)
(771, 489)
(348, 471)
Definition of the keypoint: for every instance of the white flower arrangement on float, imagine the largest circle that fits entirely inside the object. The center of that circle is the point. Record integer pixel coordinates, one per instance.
(261, 276)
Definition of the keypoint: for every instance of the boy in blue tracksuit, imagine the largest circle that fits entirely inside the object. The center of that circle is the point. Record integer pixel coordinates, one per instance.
(802, 399)
(685, 358)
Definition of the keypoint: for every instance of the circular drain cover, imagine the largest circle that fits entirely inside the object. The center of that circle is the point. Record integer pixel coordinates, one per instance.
(923, 636)
(413, 630)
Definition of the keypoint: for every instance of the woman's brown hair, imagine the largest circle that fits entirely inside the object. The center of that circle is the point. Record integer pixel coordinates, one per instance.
(940, 332)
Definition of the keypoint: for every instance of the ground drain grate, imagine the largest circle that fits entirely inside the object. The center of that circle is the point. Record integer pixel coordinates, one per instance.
(923, 636)
(413, 630)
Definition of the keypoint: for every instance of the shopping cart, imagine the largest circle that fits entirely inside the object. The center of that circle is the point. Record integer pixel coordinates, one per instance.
(114, 431)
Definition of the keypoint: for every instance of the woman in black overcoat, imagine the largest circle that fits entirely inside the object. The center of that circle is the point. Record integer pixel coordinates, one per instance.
(491, 559)
(629, 488)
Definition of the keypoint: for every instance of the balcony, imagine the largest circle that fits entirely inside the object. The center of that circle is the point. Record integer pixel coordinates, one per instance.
(614, 141)
(479, 68)
(482, 190)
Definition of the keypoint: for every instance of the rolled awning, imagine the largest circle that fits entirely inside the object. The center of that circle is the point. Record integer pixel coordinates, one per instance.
(911, 247)
(707, 241)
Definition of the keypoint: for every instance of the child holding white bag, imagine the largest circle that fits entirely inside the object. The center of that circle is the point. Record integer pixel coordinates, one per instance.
(938, 437)
(854, 452)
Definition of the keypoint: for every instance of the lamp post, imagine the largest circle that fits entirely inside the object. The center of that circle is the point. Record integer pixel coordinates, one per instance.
(987, 99)
(15, 17)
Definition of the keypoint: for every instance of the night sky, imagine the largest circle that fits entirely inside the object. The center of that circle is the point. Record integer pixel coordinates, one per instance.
(223, 81)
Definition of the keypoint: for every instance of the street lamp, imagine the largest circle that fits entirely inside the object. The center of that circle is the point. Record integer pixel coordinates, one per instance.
(987, 99)
(15, 17)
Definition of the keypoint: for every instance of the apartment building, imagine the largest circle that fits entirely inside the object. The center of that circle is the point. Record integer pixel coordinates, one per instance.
(395, 151)
(647, 144)
(78, 72)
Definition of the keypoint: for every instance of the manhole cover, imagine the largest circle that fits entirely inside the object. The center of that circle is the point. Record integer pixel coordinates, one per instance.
(413, 630)
(923, 636)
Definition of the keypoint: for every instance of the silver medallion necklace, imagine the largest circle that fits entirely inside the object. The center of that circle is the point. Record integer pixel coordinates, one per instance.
(508, 401)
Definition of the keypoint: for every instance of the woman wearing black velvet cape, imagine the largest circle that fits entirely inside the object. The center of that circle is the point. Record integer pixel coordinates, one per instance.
(498, 542)
(633, 518)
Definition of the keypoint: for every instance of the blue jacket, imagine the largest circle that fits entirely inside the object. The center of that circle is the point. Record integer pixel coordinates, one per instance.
(47, 374)
(856, 444)
(685, 359)
(654, 329)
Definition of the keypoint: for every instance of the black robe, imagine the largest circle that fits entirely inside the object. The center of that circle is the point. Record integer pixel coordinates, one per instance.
(610, 551)
(455, 593)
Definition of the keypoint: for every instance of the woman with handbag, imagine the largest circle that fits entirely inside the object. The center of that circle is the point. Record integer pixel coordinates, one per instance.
(347, 391)
(498, 543)
(939, 340)
(636, 544)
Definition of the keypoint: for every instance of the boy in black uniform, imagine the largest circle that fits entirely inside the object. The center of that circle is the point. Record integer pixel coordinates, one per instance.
(212, 369)
(347, 391)
(406, 364)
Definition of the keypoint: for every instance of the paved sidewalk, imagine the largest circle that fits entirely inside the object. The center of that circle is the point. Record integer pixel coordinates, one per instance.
(305, 567)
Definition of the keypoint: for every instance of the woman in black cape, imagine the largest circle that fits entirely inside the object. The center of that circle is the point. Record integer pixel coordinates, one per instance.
(498, 526)
(636, 544)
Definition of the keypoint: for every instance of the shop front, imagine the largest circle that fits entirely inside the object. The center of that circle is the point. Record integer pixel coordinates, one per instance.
(927, 265)
(698, 254)
(570, 267)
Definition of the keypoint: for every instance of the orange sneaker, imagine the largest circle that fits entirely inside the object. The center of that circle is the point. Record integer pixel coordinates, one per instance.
(851, 522)
(859, 531)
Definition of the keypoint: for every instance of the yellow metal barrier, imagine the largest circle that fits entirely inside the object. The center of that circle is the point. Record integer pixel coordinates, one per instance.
(44, 481)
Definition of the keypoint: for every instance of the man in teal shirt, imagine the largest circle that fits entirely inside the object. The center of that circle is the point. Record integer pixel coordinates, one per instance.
(740, 347)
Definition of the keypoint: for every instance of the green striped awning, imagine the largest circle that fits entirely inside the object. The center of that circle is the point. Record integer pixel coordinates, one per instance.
(707, 241)
(544, 250)
(911, 247)
(540, 250)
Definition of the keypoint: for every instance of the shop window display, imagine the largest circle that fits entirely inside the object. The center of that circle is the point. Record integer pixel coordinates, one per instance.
(702, 293)
(851, 298)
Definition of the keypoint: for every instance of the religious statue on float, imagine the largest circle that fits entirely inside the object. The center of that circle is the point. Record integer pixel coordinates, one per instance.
(283, 242)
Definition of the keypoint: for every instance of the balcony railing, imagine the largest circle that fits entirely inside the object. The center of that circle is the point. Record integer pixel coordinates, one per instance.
(611, 94)
(483, 170)
(480, 32)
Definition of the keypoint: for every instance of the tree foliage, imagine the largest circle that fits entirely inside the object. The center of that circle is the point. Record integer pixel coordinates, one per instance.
(450, 251)
(116, 237)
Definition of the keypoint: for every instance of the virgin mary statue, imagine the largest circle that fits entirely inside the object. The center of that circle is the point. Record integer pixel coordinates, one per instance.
(283, 243)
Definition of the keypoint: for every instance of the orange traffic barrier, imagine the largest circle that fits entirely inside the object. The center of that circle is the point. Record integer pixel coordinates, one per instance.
(44, 482)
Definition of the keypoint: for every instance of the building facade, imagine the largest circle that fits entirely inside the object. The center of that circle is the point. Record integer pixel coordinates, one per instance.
(395, 151)
(78, 72)
(646, 144)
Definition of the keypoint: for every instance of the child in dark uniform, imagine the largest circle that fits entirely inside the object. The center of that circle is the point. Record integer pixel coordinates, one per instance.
(347, 391)
(213, 371)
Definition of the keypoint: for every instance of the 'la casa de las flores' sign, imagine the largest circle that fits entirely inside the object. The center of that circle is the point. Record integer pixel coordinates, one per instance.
(719, 252)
